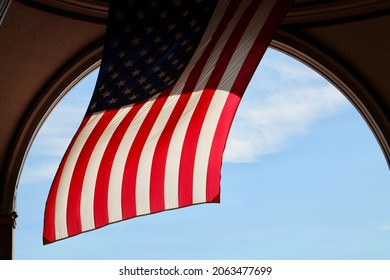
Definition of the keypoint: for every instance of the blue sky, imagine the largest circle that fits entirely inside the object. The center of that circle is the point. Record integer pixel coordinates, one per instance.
(303, 178)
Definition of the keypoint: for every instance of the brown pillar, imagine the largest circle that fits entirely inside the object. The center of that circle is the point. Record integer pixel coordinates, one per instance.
(7, 225)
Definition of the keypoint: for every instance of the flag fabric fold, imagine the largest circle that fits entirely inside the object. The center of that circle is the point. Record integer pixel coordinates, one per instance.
(171, 78)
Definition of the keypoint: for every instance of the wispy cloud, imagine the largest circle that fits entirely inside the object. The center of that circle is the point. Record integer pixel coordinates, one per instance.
(39, 172)
(54, 136)
(51, 142)
(280, 103)
(57, 131)
(383, 228)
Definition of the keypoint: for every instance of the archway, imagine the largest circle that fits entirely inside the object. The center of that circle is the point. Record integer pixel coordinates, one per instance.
(164, 219)
(311, 32)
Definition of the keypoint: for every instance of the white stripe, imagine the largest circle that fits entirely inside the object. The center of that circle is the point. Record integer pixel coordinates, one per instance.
(61, 203)
(219, 99)
(91, 173)
(118, 167)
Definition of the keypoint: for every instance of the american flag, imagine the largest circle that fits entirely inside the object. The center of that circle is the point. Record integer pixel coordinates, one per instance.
(172, 75)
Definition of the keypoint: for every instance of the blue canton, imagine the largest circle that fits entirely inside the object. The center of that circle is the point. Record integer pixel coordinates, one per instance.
(148, 44)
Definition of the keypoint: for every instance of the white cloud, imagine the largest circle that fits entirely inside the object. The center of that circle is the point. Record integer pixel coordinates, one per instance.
(56, 133)
(282, 101)
(51, 142)
(54, 137)
(383, 228)
(39, 172)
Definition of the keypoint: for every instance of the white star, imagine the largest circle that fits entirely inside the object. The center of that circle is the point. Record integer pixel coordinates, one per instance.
(135, 72)
(163, 15)
(150, 60)
(178, 35)
(192, 22)
(157, 39)
(110, 68)
(129, 63)
(119, 15)
(176, 61)
(128, 29)
(148, 86)
(171, 26)
(177, 3)
(185, 13)
(115, 75)
(170, 82)
(115, 43)
(149, 29)
(140, 15)
(189, 48)
(122, 54)
(106, 93)
(141, 80)
(127, 91)
(121, 83)
(112, 101)
(163, 48)
(143, 52)
(135, 41)
(134, 96)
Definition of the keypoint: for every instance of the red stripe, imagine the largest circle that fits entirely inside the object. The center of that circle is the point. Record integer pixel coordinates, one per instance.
(247, 70)
(132, 162)
(196, 122)
(103, 177)
(49, 234)
(76, 185)
(218, 145)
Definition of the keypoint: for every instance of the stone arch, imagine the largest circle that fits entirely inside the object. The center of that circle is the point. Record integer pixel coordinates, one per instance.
(293, 38)
(349, 82)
